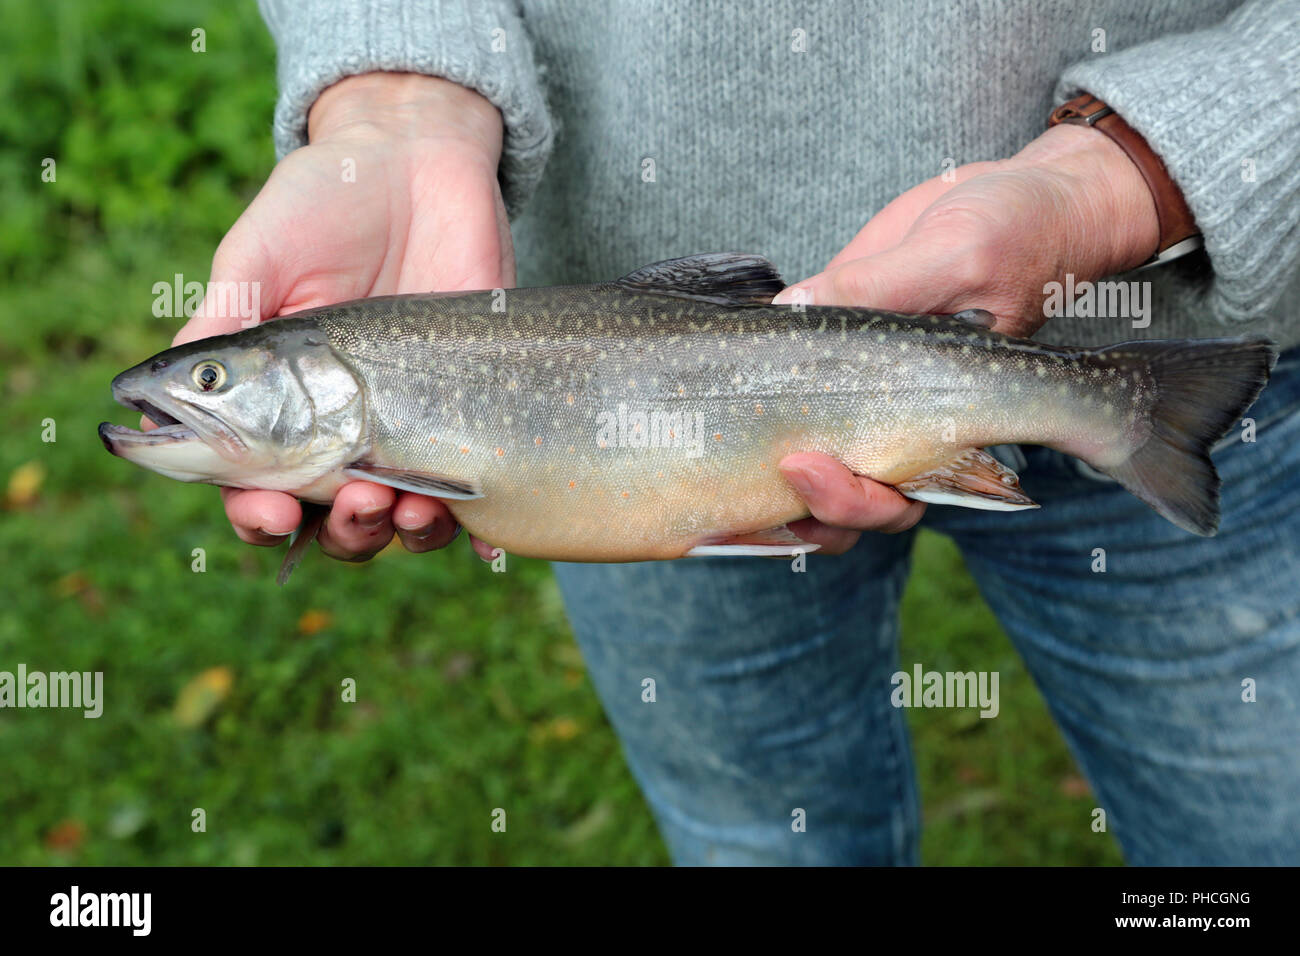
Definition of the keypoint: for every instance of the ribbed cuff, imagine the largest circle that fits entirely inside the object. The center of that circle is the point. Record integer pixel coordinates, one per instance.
(479, 44)
(1220, 107)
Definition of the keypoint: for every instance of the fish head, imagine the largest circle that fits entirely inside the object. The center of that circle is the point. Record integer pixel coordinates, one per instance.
(272, 407)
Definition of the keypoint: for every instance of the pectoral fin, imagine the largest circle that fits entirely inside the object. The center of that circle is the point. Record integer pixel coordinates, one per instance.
(420, 482)
(974, 479)
(770, 543)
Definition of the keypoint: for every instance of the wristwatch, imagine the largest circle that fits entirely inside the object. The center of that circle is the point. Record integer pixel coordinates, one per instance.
(1178, 232)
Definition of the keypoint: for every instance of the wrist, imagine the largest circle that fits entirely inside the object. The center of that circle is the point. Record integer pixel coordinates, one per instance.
(406, 106)
(1110, 204)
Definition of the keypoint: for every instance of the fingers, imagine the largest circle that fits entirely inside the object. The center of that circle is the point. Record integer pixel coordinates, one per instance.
(264, 518)
(360, 522)
(888, 227)
(482, 548)
(966, 249)
(906, 278)
(476, 254)
(507, 253)
(830, 540)
(241, 290)
(842, 500)
(423, 524)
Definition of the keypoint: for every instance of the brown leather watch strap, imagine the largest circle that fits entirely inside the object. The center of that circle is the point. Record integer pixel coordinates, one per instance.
(1178, 232)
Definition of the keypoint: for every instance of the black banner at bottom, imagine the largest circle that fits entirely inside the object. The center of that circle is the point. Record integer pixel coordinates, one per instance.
(334, 905)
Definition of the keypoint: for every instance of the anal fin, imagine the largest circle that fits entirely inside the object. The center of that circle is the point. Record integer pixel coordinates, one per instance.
(778, 542)
(973, 479)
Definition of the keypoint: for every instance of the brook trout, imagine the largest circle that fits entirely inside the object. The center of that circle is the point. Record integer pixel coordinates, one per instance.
(644, 418)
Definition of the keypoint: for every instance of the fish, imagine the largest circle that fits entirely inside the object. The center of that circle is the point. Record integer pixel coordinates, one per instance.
(644, 418)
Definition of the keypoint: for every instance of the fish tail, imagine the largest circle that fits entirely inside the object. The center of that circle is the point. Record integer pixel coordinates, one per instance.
(1202, 388)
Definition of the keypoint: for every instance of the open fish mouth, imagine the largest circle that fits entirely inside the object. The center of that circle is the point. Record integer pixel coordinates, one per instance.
(121, 440)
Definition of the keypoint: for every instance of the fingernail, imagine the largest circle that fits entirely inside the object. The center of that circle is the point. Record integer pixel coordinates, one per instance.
(422, 534)
(795, 294)
(371, 520)
(274, 534)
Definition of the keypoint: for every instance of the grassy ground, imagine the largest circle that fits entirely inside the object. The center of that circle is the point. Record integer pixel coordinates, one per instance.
(224, 689)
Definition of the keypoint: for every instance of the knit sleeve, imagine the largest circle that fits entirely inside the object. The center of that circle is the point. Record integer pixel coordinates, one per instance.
(1221, 107)
(479, 44)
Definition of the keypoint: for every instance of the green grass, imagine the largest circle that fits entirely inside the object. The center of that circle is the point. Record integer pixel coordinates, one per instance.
(471, 693)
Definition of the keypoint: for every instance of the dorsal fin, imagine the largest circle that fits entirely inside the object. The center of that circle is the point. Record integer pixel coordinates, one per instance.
(723, 278)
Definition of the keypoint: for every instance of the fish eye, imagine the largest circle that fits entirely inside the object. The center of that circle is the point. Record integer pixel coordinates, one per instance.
(209, 375)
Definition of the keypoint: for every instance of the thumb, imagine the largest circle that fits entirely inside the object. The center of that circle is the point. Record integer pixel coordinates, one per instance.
(244, 288)
(901, 279)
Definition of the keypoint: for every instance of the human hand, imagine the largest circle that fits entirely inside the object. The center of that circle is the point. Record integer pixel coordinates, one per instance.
(422, 212)
(1070, 202)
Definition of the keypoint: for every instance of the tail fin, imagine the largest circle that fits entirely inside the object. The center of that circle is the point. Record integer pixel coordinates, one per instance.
(1203, 386)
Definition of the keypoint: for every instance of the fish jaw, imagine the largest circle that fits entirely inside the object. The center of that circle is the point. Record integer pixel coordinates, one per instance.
(188, 444)
(176, 451)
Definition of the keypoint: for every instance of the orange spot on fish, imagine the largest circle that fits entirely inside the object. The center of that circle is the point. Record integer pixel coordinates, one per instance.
(805, 409)
(569, 399)
(538, 441)
(464, 449)
(500, 452)
(433, 439)
(758, 409)
(718, 437)
(573, 484)
(625, 494)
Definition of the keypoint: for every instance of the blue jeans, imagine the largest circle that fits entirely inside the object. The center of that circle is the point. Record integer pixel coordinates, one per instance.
(773, 689)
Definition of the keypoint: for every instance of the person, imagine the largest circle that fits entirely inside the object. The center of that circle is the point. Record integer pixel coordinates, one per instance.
(619, 134)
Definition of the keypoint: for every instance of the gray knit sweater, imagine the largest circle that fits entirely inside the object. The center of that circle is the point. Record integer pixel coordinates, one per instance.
(780, 127)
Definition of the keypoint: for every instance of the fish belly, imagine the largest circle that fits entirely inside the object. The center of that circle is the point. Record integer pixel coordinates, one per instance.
(639, 492)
